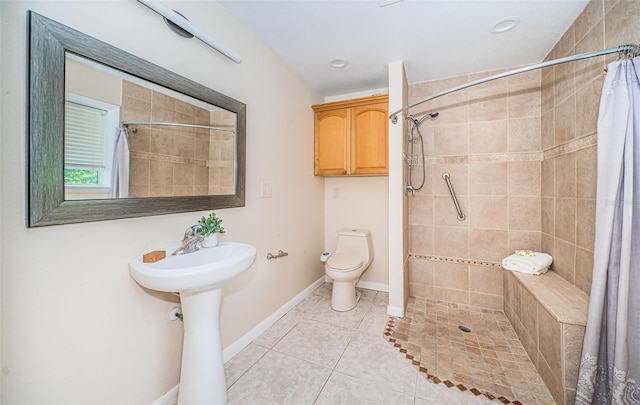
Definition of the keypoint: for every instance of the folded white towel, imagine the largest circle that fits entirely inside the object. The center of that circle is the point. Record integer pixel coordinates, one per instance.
(538, 263)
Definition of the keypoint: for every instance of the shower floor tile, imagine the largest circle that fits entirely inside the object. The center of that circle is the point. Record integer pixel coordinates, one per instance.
(468, 349)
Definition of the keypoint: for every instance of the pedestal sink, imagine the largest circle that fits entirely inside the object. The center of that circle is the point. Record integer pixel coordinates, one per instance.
(198, 277)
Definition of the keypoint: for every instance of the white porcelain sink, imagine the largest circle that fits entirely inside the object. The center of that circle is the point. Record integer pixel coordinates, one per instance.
(195, 271)
(198, 277)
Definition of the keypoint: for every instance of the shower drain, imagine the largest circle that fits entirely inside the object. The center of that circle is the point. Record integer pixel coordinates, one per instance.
(464, 329)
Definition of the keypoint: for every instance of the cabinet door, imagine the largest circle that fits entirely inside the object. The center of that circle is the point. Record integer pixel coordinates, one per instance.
(331, 142)
(369, 143)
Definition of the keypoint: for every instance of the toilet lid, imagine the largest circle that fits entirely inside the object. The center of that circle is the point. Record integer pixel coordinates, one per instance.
(344, 261)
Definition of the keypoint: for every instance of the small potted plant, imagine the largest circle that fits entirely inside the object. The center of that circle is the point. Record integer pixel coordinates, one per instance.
(210, 227)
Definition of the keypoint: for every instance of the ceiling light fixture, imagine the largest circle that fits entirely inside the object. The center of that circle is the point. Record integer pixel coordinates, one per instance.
(183, 23)
(339, 63)
(176, 28)
(504, 25)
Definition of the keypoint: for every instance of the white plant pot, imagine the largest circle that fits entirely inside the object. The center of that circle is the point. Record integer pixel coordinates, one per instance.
(210, 241)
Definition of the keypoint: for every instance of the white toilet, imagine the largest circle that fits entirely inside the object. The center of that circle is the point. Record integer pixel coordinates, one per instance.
(353, 256)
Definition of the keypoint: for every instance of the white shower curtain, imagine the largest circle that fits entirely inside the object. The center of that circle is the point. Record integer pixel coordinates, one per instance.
(120, 168)
(610, 363)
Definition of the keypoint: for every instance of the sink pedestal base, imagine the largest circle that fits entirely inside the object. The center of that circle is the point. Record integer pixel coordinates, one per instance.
(202, 379)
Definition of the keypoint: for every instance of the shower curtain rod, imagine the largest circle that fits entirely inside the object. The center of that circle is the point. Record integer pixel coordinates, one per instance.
(628, 50)
(175, 124)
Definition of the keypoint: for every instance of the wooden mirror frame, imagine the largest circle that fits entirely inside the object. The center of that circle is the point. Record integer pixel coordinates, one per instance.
(48, 43)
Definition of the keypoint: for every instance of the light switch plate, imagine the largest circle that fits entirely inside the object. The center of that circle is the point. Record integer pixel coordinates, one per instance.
(266, 190)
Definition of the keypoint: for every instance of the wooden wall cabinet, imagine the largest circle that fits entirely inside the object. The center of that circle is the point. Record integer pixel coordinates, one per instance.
(351, 137)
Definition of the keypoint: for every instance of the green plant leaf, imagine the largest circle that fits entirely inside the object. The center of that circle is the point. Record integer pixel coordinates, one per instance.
(210, 225)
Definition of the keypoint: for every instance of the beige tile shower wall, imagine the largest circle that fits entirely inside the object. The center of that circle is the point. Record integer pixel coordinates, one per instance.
(570, 102)
(488, 139)
(549, 316)
(222, 154)
(166, 160)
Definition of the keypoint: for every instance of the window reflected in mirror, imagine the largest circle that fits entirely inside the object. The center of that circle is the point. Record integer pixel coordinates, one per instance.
(174, 145)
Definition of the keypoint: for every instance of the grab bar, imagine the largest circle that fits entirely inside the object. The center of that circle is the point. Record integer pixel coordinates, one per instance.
(446, 177)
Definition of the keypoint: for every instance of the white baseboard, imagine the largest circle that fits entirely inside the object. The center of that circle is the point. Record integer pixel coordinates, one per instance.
(395, 311)
(235, 347)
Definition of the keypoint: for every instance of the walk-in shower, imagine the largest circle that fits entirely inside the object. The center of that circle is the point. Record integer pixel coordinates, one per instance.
(414, 136)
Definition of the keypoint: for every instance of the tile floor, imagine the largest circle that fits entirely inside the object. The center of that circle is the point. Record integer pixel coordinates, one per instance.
(314, 355)
(472, 348)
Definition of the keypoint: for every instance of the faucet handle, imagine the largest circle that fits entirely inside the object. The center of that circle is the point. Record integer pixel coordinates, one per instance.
(191, 231)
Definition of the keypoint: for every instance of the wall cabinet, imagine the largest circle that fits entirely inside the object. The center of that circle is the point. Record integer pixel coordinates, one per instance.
(351, 137)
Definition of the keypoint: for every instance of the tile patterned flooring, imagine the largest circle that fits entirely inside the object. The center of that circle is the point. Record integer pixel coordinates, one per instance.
(314, 355)
(468, 348)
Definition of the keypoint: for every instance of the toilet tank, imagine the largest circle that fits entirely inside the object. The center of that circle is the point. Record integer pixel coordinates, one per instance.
(357, 241)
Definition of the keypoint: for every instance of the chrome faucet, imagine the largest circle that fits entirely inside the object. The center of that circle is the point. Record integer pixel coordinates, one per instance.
(190, 241)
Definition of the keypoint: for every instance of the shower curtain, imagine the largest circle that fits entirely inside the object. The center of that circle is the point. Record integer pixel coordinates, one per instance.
(610, 363)
(120, 168)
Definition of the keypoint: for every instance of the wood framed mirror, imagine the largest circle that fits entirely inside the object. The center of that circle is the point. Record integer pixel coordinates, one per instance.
(53, 48)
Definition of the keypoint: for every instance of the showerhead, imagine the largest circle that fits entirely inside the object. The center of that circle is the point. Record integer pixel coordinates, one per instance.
(418, 122)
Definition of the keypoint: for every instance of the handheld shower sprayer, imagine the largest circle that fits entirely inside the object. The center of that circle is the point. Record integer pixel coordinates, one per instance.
(417, 122)
(415, 126)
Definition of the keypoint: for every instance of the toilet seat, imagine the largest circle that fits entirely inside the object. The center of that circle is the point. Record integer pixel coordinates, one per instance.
(344, 261)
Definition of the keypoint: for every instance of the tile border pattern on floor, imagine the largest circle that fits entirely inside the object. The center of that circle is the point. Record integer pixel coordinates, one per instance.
(388, 335)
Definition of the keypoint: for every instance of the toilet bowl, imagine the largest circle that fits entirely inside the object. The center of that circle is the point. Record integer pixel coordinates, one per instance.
(354, 253)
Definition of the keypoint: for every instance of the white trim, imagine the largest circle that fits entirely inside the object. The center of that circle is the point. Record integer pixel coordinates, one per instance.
(235, 347)
(370, 285)
(170, 398)
(397, 247)
(395, 311)
(79, 189)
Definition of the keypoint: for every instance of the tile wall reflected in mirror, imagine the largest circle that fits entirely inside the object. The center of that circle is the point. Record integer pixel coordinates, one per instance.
(164, 160)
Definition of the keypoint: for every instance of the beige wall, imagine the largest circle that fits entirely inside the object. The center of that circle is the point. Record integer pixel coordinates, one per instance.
(75, 327)
(359, 202)
(96, 84)
(570, 99)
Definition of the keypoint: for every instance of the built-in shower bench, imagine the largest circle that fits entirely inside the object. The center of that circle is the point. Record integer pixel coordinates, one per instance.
(549, 315)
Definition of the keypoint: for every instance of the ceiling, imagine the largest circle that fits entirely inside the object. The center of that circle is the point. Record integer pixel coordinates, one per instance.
(434, 38)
